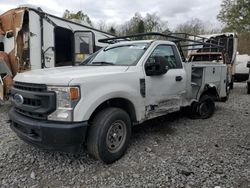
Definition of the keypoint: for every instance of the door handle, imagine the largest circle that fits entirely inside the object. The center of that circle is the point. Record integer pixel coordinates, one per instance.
(178, 78)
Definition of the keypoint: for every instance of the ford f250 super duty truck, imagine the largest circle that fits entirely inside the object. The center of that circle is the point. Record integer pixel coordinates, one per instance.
(98, 102)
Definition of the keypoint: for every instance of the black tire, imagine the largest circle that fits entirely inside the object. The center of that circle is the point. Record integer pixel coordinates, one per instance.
(109, 135)
(248, 89)
(192, 111)
(206, 107)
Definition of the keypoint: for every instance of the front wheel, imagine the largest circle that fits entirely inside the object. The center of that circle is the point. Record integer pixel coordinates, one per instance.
(109, 135)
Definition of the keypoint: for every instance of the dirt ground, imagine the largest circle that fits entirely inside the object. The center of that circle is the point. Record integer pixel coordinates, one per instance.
(172, 151)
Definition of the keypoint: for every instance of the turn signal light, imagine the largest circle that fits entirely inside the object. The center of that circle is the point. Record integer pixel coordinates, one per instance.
(74, 93)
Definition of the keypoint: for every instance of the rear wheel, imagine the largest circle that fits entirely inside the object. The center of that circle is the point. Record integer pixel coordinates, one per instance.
(248, 88)
(109, 135)
(202, 109)
(206, 107)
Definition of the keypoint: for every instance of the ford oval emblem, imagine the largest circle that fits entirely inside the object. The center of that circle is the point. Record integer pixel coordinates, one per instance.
(18, 99)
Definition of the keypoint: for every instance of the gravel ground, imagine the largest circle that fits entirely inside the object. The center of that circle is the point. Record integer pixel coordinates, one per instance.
(172, 151)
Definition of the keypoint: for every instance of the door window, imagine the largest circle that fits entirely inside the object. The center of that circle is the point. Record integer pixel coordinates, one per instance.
(168, 53)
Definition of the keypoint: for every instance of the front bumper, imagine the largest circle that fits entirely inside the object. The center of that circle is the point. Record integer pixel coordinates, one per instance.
(60, 136)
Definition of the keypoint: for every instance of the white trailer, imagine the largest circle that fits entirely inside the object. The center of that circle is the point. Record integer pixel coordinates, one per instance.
(32, 39)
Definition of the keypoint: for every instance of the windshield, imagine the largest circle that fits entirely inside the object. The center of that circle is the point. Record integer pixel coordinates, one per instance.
(123, 55)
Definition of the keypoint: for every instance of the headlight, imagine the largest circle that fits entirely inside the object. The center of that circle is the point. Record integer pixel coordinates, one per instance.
(66, 100)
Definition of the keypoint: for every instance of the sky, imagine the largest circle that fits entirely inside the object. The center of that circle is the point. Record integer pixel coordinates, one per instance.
(173, 12)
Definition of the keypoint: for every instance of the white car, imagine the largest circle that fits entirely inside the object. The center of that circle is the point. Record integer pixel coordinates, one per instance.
(241, 70)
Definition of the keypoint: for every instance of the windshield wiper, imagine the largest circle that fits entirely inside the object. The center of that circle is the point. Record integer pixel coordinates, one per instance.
(102, 63)
(110, 48)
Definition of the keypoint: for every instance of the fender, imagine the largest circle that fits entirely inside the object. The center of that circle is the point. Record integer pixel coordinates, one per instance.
(88, 104)
(211, 90)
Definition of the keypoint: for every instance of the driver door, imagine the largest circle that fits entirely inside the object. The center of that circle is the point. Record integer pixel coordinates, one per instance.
(164, 92)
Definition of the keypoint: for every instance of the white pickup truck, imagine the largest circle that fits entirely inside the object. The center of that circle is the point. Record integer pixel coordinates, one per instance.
(97, 102)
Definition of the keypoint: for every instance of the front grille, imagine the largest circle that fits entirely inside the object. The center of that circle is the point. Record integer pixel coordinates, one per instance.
(31, 114)
(32, 102)
(38, 103)
(30, 87)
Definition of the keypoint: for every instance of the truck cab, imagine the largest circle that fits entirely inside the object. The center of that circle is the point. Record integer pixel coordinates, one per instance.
(98, 102)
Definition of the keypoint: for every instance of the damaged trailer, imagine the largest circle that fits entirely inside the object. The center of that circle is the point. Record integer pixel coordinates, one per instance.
(32, 39)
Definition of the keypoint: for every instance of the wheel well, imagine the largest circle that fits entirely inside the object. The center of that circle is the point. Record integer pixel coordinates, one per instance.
(211, 91)
(118, 103)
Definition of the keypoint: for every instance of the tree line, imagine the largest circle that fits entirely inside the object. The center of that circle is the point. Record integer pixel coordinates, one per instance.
(234, 16)
(139, 24)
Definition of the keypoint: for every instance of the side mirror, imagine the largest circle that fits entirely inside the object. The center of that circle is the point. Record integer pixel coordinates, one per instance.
(156, 66)
(248, 64)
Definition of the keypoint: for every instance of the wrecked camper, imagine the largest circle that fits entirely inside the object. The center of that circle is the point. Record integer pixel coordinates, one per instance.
(32, 39)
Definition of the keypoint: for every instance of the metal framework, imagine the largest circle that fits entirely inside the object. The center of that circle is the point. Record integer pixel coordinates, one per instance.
(184, 41)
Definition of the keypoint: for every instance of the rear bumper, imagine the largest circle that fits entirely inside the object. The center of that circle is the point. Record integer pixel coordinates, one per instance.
(60, 136)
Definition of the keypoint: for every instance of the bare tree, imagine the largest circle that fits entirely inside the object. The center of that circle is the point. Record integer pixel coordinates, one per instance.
(196, 27)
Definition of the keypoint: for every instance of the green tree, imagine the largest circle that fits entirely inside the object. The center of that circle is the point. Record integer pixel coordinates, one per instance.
(140, 24)
(132, 26)
(153, 23)
(112, 30)
(235, 14)
(80, 16)
(141, 27)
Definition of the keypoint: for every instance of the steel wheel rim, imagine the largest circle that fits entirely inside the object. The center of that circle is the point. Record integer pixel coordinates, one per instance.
(116, 136)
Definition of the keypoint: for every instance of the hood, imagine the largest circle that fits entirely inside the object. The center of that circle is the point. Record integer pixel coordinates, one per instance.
(64, 75)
